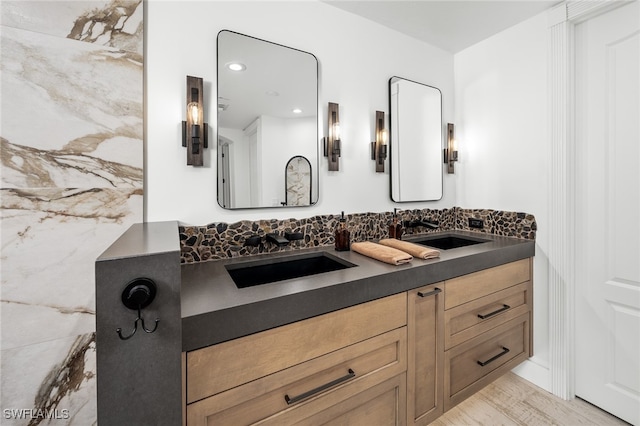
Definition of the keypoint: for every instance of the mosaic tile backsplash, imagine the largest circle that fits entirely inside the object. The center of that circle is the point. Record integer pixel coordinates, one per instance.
(226, 240)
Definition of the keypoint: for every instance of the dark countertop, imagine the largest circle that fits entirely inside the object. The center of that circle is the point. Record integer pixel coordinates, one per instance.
(144, 239)
(214, 310)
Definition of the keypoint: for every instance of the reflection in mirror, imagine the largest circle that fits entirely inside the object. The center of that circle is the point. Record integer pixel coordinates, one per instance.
(298, 182)
(267, 114)
(415, 156)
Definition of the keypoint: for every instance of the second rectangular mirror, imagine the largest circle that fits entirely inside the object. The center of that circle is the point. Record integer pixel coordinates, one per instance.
(267, 116)
(415, 154)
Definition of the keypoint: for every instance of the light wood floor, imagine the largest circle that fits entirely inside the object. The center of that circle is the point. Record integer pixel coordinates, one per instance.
(511, 400)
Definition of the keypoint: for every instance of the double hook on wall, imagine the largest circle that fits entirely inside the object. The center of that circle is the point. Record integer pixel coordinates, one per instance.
(137, 295)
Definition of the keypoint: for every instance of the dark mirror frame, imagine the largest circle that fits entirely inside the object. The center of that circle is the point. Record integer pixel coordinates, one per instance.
(435, 156)
(311, 145)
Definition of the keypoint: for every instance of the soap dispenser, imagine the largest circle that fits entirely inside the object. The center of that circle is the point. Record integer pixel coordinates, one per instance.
(395, 229)
(342, 235)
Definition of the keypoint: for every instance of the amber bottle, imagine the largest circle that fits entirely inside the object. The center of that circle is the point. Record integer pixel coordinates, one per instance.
(342, 235)
(395, 229)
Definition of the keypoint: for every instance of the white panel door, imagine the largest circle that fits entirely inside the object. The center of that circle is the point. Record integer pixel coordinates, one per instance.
(608, 212)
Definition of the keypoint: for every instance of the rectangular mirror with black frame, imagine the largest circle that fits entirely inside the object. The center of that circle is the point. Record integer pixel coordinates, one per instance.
(415, 152)
(267, 117)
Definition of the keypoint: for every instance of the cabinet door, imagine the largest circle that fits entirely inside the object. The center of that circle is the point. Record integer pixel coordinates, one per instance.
(425, 328)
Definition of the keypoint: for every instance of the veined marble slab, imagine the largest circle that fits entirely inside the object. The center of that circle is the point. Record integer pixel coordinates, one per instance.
(50, 241)
(72, 114)
(55, 377)
(71, 182)
(113, 23)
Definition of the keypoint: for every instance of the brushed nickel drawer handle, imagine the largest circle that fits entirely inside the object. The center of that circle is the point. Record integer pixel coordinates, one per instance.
(504, 352)
(351, 374)
(490, 314)
(431, 293)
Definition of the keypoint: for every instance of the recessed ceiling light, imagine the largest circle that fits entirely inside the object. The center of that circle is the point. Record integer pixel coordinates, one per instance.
(297, 111)
(236, 66)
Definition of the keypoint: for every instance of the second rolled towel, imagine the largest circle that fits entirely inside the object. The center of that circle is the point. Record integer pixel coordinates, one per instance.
(421, 252)
(382, 253)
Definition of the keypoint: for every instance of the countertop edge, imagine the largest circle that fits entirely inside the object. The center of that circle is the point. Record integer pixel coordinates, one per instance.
(144, 239)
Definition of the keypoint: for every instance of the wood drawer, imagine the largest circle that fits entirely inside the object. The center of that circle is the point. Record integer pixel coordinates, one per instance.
(307, 388)
(473, 286)
(500, 349)
(383, 404)
(473, 318)
(220, 367)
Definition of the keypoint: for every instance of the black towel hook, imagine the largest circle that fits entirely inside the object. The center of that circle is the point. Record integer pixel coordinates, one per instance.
(137, 295)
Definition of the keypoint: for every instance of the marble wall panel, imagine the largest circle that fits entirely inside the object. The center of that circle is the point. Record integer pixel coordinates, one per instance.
(62, 126)
(50, 240)
(62, 376)
(112, 23)
(71, 183)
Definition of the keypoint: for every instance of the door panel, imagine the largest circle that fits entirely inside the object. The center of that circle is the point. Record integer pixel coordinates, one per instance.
(608, 260)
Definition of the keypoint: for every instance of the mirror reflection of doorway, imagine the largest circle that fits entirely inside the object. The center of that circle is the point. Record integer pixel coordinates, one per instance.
(224, 181)
(238, 169)
(298, 182)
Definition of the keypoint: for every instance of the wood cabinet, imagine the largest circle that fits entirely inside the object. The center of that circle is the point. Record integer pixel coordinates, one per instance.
(402, 359)
(326, 367)
(425, 371)
(487, 323)
(478, 361)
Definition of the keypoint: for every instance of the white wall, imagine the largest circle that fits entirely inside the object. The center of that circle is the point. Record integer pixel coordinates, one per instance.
(501, 122)
(356, 56)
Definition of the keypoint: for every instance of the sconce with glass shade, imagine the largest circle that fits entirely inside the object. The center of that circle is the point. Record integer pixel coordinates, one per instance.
(332, 142)
(451, 151)
(194, 130)
(379, 146)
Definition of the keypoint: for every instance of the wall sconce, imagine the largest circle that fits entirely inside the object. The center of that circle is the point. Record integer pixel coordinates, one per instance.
(332, 142)
(451, 151)
(379, 147)
(194, 131)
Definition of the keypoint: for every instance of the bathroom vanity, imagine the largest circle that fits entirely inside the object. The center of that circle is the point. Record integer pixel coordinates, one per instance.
(370, 341)
(379, 343)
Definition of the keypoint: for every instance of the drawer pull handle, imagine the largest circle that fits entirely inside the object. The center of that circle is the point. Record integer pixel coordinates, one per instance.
(490, 360)
(431, 293)
(319, 389)
(490, 314)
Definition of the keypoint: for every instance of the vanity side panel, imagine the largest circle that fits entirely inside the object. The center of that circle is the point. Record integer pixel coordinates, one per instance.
(139, 380)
